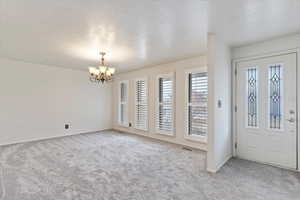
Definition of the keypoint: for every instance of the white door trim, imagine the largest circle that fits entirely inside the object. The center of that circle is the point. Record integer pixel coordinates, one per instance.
(234, 101)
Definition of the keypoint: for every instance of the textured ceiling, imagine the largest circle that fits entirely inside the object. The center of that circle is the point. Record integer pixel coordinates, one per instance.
(134, 33)
(240, 22)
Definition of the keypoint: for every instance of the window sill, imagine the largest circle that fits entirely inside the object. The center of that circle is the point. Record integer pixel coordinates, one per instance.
(163, 133)
(200, 139)
(123, 125)
(141, 129)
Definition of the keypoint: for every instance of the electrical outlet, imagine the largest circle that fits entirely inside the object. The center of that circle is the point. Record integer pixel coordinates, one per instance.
(219, 103)
(67, 126)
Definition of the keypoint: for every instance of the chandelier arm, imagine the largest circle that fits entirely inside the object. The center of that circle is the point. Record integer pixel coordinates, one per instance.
(105, 76)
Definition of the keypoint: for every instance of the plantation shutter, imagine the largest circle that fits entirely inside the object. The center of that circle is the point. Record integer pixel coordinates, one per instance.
(197, 104)
(141, 106)
(123, 105)
(165, 107)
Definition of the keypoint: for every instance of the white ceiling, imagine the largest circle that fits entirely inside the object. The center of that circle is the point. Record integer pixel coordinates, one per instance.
(134, 33)
(240, 22)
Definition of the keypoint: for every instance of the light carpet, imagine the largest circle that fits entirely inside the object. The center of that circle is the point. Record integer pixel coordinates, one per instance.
(118, 166)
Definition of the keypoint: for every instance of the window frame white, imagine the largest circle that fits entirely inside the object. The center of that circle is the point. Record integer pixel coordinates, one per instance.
(187, 136)
(126, 122)
(136, 103)
(157, 104)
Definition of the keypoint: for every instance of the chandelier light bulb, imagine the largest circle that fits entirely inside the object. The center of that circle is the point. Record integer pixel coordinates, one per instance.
(97, 72)
(112, 70)
(92, 70)
(108, 73)
(101, 73)
(103, 69)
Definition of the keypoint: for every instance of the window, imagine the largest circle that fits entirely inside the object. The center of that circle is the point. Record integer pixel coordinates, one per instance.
(197, 118)
(123, 103)
(141, 104)
(164, 118)
(275, 97)
(252, 86)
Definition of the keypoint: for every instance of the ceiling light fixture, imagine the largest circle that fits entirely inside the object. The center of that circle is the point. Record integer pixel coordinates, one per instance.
(101, 73)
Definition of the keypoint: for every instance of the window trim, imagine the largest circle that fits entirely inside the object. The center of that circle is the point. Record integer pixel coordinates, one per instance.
(135, 104)
(202, 139)
(126, 123)
(157, 103)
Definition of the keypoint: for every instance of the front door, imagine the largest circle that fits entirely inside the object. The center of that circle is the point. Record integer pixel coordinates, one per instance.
(266, 110)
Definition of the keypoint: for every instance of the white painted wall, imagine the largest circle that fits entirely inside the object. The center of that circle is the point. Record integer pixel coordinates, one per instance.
(286, 44)
(179, 68)
(267, 47)
(37, 100)
(219, 73)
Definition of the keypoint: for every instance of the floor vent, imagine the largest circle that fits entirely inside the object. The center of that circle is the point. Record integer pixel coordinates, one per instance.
(187, 149)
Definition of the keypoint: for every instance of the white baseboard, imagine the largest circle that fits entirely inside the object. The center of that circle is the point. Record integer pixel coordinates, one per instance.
(220, 165)
(211, 170)
(48, 138)
(224, 162)
(160, 139)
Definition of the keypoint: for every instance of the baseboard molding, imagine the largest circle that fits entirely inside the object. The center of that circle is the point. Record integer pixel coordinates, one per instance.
(220, 165)
(211, 170)
(49, 138)
(224, 162)
(159, 139)
(270, 164)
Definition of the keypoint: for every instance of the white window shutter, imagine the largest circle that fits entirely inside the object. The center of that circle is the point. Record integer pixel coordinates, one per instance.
(123, 103)
(141, 104)
(197, 104)
(165, 107)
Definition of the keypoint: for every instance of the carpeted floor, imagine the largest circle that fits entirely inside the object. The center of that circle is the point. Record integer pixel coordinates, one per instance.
(114, 166)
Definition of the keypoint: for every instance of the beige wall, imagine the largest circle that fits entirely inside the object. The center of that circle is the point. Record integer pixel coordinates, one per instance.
(274, 46)
(219, 124)
(179, 68)
(37, 100)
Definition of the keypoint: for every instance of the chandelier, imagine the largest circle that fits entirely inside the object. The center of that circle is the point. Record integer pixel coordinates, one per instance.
(101, 73)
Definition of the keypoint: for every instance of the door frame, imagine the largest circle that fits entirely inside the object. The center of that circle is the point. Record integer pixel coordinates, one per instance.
(234, 64)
